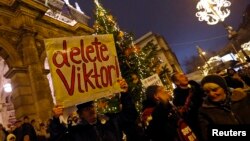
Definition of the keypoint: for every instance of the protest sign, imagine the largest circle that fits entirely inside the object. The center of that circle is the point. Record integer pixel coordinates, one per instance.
(83, 68)
(151, 80)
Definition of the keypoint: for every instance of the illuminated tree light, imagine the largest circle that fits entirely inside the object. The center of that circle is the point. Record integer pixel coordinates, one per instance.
(212, 11)
(246, 46)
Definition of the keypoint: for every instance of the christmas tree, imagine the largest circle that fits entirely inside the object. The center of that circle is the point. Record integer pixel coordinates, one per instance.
(135, 63)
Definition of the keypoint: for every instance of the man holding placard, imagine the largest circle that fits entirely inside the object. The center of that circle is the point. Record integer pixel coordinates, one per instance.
(94, 128)
(84, 69)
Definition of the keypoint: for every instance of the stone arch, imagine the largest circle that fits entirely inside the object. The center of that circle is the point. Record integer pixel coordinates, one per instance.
(13, 59)
(7, 112)
(10, 56)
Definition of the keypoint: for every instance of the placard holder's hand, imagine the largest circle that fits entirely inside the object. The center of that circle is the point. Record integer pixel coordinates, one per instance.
(57, 111)
(123, 84)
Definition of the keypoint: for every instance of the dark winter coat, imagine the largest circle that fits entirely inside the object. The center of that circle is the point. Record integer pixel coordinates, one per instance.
(233, 111)
(180, 95)
(180, 98)
(109, 131)
(25, 129)
(163, 125)
(234, 83)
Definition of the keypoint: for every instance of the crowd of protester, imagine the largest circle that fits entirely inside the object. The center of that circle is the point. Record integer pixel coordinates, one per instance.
(184, 114)
(25, 130)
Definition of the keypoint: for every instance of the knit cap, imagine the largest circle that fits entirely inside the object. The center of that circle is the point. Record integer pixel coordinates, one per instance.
(81, 106)
(151, 91)
(215, 79)
(10, 136)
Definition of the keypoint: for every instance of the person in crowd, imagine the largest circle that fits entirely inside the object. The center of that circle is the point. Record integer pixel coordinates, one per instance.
(163, 122)
(91, 128)
(18, 130)
(35, 125)
(3, 133)
(10, 128)
(245, 77)
(233, 79)
(221, 106)
(42, 133)
(28, 131)
(187, 97)
(72, 119)
(11, 137)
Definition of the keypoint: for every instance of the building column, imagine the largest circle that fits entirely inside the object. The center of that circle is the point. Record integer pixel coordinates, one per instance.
(38, 79)
(37, 85)
(22, 97)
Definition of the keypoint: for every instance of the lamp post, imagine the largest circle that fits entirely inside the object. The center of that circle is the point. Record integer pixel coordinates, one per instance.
(215, 11)
(202, 55)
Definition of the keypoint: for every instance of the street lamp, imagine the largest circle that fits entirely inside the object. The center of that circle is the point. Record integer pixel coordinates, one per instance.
(215, 11)
(7, 88)
(202, 55)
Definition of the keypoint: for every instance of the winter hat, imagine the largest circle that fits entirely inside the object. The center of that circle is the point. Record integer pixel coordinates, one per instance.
(81, 106)
(11, 136)
(151, 91)
(215, 79)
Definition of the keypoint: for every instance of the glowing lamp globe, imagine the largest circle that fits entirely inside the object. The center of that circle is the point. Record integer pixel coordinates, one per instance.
(7, 87)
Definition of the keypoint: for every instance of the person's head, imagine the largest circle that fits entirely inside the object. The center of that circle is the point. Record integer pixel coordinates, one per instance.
(49, 121)
(69, 119)
(11, 137)
(241, 72)
(230, 72)
(42, 126)
(33, 122)
(215, 87)
(179, 79)
(18, 123)
(26, 119)
(87, 112)
(157, 94)
(74, 117)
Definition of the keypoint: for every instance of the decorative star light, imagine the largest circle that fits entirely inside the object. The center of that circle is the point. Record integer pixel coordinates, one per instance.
(212, 11)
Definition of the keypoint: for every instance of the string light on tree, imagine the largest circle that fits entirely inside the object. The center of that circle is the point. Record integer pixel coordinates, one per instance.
(213, 11)
(135, 63)
(246, 46)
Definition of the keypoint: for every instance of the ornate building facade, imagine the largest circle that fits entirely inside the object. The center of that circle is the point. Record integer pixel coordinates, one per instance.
(24, 24)
(164, 52)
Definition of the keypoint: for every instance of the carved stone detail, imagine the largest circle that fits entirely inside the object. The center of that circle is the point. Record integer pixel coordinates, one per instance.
(7, 2)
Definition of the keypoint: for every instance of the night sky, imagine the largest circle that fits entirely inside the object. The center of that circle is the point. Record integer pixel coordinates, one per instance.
(175, 20)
